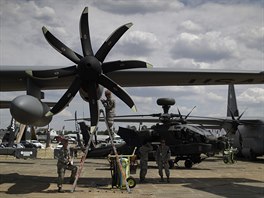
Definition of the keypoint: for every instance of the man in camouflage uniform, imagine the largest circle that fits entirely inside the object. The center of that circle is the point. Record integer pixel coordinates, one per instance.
(163, 156)
(109, 104)
(144, 151)
(64, 163)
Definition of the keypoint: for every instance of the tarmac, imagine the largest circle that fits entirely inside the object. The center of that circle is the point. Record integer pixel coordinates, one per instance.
(36, 178)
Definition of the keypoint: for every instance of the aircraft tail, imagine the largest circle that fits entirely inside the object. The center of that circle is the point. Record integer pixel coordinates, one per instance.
(232, 102)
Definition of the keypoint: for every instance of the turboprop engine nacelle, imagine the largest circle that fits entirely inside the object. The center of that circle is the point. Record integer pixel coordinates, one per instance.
(29, 110)
(85, 96)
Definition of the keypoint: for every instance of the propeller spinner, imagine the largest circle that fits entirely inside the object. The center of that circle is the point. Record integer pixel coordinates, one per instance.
(90, 69)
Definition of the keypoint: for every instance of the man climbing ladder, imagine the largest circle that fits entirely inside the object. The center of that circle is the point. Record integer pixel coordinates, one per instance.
(86, 152)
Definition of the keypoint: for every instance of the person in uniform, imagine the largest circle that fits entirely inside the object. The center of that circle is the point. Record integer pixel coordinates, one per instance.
(109, 104)
(144, 151)
(64, 163)
(163, 156)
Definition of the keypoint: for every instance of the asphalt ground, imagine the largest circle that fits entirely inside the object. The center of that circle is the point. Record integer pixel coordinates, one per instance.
(36, 178)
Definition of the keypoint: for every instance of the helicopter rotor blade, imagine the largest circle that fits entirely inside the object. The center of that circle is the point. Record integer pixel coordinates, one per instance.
(189, 113)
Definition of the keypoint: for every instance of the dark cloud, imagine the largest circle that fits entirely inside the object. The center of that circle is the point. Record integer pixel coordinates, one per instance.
(123, 7)
(196, 3)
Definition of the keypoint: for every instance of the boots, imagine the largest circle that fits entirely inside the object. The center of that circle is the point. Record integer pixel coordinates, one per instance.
(161, 179)
(59, 189)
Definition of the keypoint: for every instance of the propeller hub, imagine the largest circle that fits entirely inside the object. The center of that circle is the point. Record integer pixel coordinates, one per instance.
(89, 68)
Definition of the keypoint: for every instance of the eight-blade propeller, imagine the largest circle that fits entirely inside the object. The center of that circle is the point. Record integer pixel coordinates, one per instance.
(90, 70)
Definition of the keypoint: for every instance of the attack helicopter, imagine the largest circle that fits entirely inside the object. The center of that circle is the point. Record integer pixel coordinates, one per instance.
(187, 140)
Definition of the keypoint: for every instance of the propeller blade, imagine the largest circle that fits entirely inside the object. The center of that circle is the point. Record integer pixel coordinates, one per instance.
(111, 41)
(66, 98)
(85, 34)
(120, 65)
(53, 73)
(60, 47)
(93, 104)
(117, 90)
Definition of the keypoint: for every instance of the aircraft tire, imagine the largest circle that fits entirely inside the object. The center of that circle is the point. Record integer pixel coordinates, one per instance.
(131, 182)
(225, 159)
(188, 163)
(171, 164)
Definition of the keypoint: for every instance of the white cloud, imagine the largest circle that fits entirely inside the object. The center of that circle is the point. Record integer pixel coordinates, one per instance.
(252, 95)
(208, 47)
(138, 43)
(253, 37)
(190, 26)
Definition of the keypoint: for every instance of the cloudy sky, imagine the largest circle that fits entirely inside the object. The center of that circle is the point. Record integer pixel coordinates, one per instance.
(203, 34)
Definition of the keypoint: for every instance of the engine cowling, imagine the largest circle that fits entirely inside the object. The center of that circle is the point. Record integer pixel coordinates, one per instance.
(85, 96)
(29, 110)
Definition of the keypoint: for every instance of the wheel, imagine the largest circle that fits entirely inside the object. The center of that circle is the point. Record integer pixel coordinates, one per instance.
(225, 159)
(131, 182)
(188, 163)
(171, 164)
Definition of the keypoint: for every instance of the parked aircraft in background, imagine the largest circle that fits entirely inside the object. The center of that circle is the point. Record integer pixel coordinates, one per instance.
(248, 132)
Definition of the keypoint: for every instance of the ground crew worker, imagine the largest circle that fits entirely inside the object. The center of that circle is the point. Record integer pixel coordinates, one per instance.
(163, 156)
(144, 151)
(64, 163)
(109, 104)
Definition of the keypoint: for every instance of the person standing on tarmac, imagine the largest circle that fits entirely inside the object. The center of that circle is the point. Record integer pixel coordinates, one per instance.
(64, 163)
(109, 104)
(163, 156)
(144, 151)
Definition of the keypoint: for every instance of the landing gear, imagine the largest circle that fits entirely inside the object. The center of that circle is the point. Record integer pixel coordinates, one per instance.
(190, 160)
(188, 163)
(171, 164)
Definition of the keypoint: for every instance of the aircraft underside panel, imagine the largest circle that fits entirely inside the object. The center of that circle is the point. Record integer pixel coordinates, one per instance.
(190, 149)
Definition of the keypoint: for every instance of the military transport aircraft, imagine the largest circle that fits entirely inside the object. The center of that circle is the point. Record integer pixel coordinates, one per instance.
(90, 74)
(247, 133)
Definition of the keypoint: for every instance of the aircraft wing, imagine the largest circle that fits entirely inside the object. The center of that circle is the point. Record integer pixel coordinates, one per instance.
(4, 104)
(15, 78)
(206, 122)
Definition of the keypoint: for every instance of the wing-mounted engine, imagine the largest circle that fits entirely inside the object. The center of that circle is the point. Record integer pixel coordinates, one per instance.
(90, 70)
(29, 110)
(85, 94)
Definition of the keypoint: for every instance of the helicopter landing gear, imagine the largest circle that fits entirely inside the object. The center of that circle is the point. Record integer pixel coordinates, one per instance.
(171, 164)
(190, 160)
(188, 163)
